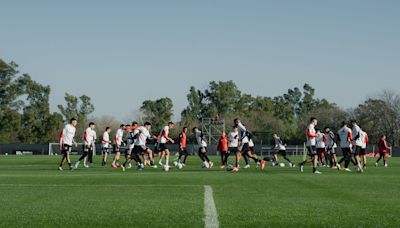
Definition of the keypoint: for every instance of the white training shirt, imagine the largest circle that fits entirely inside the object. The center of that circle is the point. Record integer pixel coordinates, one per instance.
(89, 136)
(344, 135)
(251, 143)
(362, 140)
(242, 133)
(279, 144)
(233, 139)
(311, 141)
(162, 139)
(105, 140)
(356, 131)
(200, 141)
(144, 134)
(320, 141)
(68, 134)
(118, 137)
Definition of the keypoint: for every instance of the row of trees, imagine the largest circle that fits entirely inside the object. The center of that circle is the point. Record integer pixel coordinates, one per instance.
(25, 115)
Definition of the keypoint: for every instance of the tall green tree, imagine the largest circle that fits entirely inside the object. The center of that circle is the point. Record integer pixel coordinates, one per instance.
(10, 105)
(158, 112)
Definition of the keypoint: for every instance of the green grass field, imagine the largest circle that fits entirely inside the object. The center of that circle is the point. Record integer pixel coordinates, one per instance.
(33, 193)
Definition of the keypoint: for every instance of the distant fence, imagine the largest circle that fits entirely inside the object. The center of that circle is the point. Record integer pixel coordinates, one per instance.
(45, 149)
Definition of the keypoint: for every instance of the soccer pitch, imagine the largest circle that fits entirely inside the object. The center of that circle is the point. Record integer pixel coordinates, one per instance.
(33, 193)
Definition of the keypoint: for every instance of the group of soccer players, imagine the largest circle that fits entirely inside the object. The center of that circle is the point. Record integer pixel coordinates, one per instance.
(321, 147)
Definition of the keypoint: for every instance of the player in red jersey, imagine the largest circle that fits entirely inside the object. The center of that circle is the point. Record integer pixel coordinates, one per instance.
(383, 150)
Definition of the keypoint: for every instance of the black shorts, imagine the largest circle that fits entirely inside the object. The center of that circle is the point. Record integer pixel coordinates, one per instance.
(87, 148)
(203, 150)
(346, 151)
(282, 153)
(162, 147)
(184, 151)
(116, 148)
(233, 150)
(363, 151)
(312, 151)
(359, 150)
(66, 149)
(106, 150)
(331, 150)
(321, 151)
(245, 147)
(139, 149)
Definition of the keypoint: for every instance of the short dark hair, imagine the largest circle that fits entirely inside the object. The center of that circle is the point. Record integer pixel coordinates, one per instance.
(312, 119)
(236, 119)
(72, 119)
(354, 121)
(91, 123)
(134, 123)
(122, 125)
(184, 128)
(108, 128)
(344, 123)
(171, 123)
(147, 124)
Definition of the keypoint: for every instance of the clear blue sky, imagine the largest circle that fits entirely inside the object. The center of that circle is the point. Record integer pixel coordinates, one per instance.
(123, 52)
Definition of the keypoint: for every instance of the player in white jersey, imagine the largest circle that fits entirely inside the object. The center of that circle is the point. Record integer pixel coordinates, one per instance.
(311, 146)
(118, 142)
(331, 147)
(105, 145)
(244, 140)
(280, 147)
(358, 143)
(162, 143)
(233, 144)
(141, 135)
(88, 143)
(129, 141)
(345, 136)
(364, 142)
(321, 148)
(201, 142)
(66, 141)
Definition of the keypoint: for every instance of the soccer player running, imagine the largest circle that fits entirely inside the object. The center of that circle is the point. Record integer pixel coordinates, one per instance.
(105, 145)
(280, 147)
(130, 142)
(118, 142)
(233, 144)
(364, 142)
(331, 147)
(358, 143)
(311, 146)
(383, 151)
(244, 139)
(345, 136)
(66, 141)
(321, 148)
(201, 142)
(182, 146)
(88, 144)
(223, 150)
(162, 143)
(141, 134)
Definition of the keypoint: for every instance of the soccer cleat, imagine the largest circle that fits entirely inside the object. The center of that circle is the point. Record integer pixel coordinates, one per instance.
(317, 172)
(223, 167)
(77, 164)
(123, 168)
(114, 166)
(376, 164)
(246, 166)
(263, 164)
(338, 166)
(386, 165)
(60, 168)
(210, 164)
(160, 163)
(86, 166)
(347, 170)
(129, 166)
(302, 168)
(71, 167)
(235, 169)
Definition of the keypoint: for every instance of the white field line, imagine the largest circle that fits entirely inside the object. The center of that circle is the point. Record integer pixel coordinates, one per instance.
(99, 185)
(210, 211)
(77, 174)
